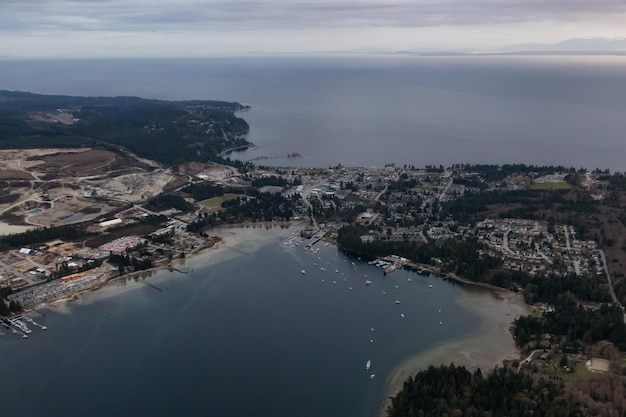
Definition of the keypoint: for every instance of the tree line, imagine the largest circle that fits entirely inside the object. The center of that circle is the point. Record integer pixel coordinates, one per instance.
(453, 391)
(575, 322)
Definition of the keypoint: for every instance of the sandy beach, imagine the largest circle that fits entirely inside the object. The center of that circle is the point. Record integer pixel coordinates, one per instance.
(483, 348)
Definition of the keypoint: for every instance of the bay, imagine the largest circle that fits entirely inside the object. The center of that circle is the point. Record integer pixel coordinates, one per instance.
(243, 333)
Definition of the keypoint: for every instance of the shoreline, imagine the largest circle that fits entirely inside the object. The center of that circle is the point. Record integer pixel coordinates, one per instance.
(485, 348)
(227, 238)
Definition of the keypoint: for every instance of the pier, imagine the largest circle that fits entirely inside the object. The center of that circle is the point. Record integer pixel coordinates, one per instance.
(316, 238)
(34, 323)
(18, 326)
(151, 285)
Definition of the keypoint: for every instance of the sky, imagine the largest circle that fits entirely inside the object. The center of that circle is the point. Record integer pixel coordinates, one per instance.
(194, 28)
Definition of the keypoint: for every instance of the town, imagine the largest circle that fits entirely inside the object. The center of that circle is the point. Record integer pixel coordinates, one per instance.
(392, 204)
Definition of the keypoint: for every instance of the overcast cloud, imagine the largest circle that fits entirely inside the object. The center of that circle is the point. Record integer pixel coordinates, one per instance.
(205, 27)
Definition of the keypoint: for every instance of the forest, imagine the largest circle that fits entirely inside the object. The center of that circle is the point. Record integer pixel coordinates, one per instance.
(453, 391)
(45, 234)
(574, 322)
(165, 131)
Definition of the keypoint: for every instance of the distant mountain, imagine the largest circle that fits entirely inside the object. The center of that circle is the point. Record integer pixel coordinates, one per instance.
(572, 45)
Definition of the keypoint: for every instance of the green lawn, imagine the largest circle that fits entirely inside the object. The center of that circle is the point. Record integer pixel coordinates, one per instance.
(547, 368)
(580, 372)
(215, 203)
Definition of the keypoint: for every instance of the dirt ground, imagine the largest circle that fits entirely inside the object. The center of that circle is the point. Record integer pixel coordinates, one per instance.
(46, 187)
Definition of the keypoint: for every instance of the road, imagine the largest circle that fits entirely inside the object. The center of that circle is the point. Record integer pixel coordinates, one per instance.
(608, 277)
(528, 359)
(567, 242)
(305, 198)
(445, 190)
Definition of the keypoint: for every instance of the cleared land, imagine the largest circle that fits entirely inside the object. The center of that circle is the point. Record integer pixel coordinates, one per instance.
(73, 184)
(215, 203)
(83, 162)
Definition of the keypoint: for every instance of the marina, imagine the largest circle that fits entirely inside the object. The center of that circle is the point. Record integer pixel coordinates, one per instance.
(17, 325)
(388, 264)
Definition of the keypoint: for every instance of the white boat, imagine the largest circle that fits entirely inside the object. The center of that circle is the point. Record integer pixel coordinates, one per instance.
(372, 376)
(397, 301)
(368, 365)
(402, 315)
(303, 271)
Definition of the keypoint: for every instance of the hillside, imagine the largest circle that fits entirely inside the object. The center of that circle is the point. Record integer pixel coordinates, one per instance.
(168, 132)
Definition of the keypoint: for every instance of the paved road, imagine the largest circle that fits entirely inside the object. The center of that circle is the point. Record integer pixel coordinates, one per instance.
(445, 190)
(305, 198)
(608, 277)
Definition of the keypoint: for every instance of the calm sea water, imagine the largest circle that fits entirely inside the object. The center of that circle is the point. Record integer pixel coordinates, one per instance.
(371, 110)
(248, 335)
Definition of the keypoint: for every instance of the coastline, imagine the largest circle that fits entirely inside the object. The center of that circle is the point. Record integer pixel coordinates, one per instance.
(485, 348)
(228, 236)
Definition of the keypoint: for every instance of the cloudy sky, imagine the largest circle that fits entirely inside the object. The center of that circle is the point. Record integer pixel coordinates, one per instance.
(173, 28)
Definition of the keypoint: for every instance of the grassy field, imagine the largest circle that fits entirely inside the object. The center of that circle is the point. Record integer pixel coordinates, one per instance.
(215, 203)
(549, 186)
(547, 368)
(14, 174)
(174, 183)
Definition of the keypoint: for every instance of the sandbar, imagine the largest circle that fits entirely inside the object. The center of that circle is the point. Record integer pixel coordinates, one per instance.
(484, 348)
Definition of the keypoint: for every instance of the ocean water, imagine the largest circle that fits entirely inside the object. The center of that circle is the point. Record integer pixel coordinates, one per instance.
(372, 110)
(244, 333)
